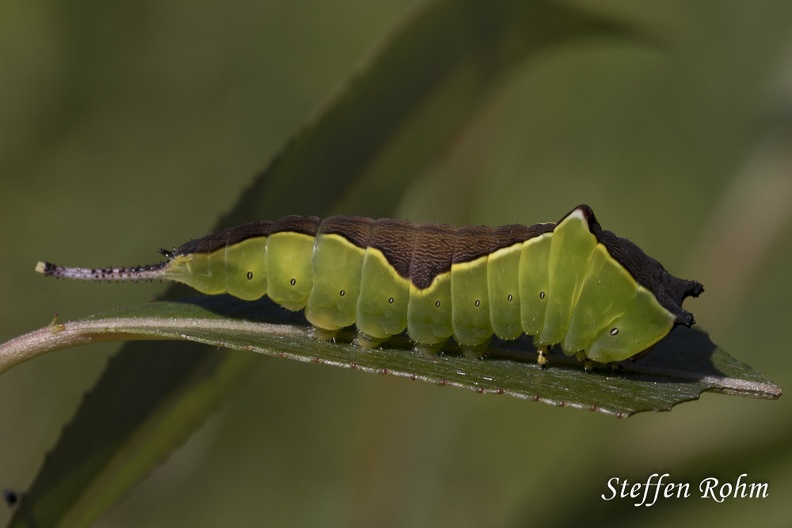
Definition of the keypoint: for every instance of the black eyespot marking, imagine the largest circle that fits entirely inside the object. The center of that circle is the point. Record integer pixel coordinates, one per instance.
(614, 331)
(293, 281)
(437, 304)
(390, 300)
(477, 303)
(541, 295)
(342, 293)
(510, 298)
(249, 275)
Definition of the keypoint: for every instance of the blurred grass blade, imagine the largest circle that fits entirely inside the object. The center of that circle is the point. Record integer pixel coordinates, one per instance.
(389, 121)
(683, 366)
(374, 135)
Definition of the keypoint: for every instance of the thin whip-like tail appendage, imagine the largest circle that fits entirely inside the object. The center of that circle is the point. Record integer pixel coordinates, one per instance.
(111, 274)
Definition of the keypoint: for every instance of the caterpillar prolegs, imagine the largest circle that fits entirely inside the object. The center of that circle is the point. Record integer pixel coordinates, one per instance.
(571, 283)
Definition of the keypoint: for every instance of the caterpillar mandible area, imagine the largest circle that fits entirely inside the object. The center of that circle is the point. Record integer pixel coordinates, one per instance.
(571, 283)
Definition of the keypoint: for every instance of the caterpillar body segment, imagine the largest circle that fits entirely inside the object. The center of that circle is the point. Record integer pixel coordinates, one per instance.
(571, 284)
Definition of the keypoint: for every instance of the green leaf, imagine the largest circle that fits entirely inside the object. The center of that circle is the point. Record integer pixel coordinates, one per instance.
(681, 367)
(359, 154)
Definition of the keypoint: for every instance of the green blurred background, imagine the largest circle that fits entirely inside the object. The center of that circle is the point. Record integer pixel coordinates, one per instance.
(126, 127)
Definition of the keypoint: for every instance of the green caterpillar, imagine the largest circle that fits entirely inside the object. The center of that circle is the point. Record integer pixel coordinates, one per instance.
(572, 284)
